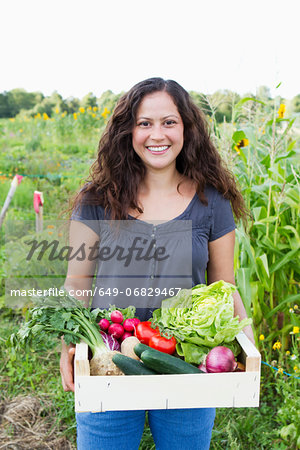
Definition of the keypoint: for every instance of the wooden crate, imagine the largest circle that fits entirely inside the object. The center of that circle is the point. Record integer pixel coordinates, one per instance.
(119, 393)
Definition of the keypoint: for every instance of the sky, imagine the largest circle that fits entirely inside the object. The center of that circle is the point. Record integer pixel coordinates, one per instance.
(75, 47)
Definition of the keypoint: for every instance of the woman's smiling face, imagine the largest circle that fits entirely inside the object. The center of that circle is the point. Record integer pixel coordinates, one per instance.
(157, 136)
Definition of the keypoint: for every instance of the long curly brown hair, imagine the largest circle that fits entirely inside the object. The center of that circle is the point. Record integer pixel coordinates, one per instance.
(118, 171)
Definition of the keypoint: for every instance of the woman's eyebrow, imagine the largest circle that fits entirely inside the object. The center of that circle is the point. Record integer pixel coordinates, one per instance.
(171, 115)
(165, 117)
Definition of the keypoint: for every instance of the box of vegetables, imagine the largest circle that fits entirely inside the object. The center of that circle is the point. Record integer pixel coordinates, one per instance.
(192, 353)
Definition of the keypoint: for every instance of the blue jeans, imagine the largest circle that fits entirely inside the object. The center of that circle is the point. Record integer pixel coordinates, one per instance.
(175, 429)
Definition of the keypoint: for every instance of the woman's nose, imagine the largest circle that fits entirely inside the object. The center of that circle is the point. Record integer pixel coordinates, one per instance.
(157, 132)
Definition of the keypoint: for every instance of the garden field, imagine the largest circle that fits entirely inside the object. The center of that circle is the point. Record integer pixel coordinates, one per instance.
(260, 144)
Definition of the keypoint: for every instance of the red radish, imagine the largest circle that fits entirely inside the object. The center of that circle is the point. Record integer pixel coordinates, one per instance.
(136, 321)
(128, 325)
(116, 316)
(104, 324)
(116, 330)
(220, 359)
(125, 335)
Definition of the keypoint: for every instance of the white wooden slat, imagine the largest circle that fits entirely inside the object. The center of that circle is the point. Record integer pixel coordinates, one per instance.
(112, 393)
(81, 363)
(253, 358)
(167, 391)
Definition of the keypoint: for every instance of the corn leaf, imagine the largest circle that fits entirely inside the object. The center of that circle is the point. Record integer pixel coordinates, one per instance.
(289, 299)
(262, 269)
(287, 258)
(244, 287)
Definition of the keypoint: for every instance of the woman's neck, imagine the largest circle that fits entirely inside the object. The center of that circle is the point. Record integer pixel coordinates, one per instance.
(160, 183)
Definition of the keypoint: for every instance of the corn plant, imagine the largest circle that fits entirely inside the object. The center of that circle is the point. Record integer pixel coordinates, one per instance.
(267, 257)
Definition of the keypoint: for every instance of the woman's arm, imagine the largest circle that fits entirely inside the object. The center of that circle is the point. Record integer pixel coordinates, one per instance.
(220, 267)
(78, 282)
(81, 269)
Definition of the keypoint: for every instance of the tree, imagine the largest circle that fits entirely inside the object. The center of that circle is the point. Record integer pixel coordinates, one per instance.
(25, 100)
(72, 105)
(45, 106)
(88, 100)
(108, 99)
(5, 105)
(58, 102)
(16, 100)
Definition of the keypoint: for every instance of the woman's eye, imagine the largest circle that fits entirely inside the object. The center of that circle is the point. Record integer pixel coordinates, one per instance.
(143, 124)
(170, 122)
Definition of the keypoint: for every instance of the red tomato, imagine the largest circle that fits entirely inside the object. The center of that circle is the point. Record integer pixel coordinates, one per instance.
(163, 344)
(144, 332)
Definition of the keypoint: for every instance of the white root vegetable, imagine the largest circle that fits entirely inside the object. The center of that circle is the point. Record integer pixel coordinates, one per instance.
(128, 345)
(103, 365)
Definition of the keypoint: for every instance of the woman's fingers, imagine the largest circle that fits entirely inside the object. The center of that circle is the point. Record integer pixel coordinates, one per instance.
(66, 369)
(71, 353)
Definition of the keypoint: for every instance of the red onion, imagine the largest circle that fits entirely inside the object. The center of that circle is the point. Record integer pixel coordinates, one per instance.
(220, 359)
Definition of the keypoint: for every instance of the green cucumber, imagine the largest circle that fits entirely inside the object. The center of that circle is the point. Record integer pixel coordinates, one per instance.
(130, 366)
(140, 348)
(167, 364)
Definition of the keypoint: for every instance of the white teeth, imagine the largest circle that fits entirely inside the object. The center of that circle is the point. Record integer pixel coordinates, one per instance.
(158, 149)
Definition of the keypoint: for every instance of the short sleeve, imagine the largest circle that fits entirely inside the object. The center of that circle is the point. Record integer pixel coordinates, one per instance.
(90, 215)
(222, 218)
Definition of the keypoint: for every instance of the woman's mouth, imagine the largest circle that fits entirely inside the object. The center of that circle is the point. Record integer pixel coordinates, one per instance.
(155, 149)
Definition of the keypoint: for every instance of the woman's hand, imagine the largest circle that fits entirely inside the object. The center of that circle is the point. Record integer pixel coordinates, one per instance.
(66, 366)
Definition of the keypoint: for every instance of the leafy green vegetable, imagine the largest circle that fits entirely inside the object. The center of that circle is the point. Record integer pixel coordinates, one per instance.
(66, 316)
(192, 353)
(201, 316)
(61, 316)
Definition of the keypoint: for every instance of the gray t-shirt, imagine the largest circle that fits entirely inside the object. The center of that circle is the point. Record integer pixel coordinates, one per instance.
(141, 263)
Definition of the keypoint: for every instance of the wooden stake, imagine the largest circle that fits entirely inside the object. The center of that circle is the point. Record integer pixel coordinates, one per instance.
(38, 202)
(14, 184)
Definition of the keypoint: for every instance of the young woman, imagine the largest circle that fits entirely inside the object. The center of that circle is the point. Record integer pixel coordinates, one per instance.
(155, 162)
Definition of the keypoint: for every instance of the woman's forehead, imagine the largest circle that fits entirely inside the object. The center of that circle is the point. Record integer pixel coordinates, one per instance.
(160, 103)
